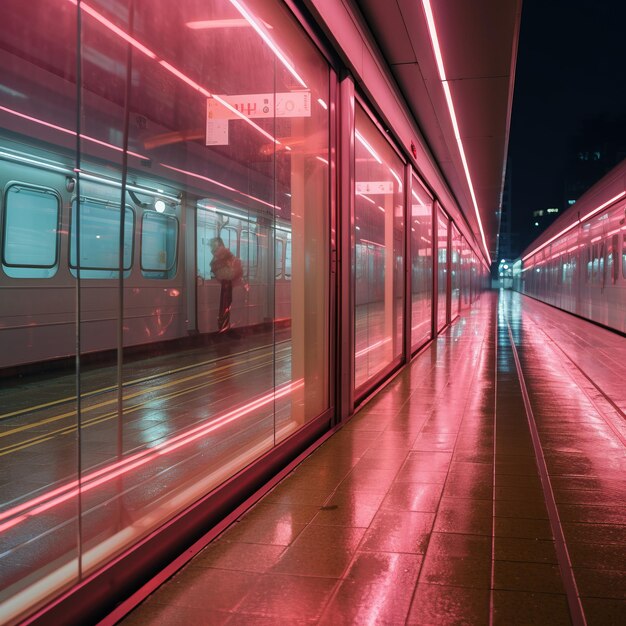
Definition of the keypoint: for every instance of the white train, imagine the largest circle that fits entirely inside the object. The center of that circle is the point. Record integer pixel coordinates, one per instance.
(579, 263)
(168, 290)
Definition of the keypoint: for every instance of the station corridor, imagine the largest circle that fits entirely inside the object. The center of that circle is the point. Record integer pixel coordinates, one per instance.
(484, 485)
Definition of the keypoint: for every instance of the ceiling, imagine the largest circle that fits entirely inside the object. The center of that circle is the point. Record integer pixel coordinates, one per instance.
(478, 42)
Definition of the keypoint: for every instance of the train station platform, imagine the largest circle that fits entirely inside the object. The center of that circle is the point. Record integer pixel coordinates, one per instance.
(485, 484)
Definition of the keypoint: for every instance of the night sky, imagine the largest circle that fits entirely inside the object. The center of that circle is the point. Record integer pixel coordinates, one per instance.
(571, 68)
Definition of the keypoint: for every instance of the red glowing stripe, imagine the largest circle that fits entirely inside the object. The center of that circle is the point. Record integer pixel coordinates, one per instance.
(367, 146)
(215, 182)
(168, 66)
(232, 109)
(365, 197)
(184, 77)
(432, 31)
(268, 40)
(68, 131)
(45, 502)
(603, 206)
(378, 344)
(576, 223)
(115, 29)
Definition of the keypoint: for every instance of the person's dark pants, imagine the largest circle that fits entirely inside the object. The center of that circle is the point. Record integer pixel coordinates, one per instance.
(226, 300)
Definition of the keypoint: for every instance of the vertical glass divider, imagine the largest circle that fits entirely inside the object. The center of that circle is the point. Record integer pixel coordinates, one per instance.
(345, 251)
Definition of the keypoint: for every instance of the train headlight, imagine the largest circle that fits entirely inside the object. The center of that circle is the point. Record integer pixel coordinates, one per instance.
(159, 206)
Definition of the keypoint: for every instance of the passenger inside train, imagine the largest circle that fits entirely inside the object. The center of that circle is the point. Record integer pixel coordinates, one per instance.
(226, 268)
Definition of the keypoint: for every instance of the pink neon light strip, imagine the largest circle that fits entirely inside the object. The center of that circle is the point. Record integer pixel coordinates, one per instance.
(99, 477)
(215, 182)
(209, 24)
(372, 347)
(432, 30)
(168, 66)
(268, 40)
(576, 223)
(68, 131)
(365, 197)
(367, 146)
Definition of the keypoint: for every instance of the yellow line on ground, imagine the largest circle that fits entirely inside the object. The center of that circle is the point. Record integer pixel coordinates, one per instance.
(66, 430)
(178, 381)
(130, 382)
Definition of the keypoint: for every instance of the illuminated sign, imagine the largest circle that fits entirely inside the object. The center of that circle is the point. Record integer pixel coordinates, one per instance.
(255, 105)
(262, 105)
(375, 187)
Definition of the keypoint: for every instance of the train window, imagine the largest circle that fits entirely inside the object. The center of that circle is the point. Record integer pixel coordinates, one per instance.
(99, 239)
(30, 238)
(611, 266)
(595, 264)
(159, 239)
(601, 276)
(279, 249)
(249, 253)
(229, 237)
(589, 264)
(288, 260)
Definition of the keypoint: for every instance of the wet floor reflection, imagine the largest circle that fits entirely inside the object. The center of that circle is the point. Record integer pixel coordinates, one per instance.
(427, 507)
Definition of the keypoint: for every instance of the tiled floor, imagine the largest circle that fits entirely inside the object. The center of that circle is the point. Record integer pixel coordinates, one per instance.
(428, 506)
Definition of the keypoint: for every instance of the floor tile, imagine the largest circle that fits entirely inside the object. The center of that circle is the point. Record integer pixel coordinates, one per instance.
(603, 611)
(377, 589)
(398, 531)
(441, 605)
(525, 608)
(520, 576)
(287, 597)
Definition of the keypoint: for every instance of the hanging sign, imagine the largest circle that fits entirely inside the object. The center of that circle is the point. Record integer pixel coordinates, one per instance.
(375, 187)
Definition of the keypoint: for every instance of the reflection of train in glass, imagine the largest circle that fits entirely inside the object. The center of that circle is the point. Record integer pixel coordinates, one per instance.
(168, 290)
(579, 263)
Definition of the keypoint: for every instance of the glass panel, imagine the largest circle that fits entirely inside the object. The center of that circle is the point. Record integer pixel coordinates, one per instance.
(181, 141)
(229, 237)
(38, 410)
(249, 252)
(442, 268)
(455, 269)
(30, 238)
(206, 230)
(279, 258)
(159, 238)
(465, 274)
(421, 264)
(378, 240)
(100, 239)
(288, 259)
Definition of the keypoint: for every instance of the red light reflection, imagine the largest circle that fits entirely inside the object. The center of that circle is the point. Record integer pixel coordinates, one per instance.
(49, 500)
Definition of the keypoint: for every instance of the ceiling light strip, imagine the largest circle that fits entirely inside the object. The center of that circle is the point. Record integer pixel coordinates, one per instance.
(432, 31)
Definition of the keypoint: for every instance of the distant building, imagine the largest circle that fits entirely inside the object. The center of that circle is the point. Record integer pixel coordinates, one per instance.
(542, 218)
(598, 147)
